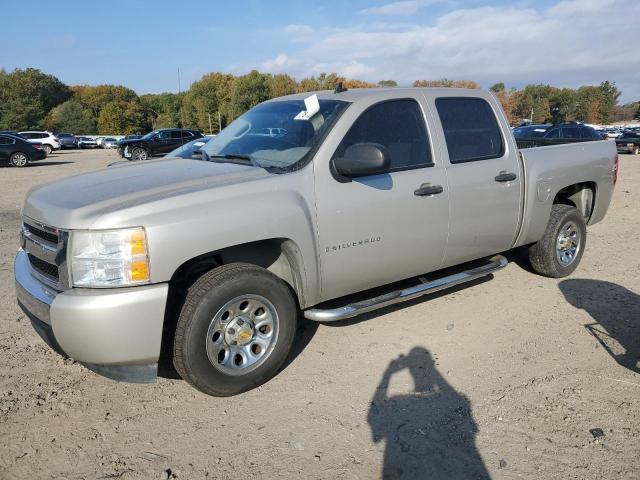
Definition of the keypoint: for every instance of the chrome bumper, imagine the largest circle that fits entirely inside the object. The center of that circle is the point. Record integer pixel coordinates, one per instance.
(116, 332)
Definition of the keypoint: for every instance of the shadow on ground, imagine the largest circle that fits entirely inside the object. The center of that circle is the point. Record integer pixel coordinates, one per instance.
(616, 314)
(428, 433)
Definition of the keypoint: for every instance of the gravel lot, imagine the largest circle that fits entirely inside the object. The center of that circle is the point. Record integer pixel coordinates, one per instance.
(515, 377)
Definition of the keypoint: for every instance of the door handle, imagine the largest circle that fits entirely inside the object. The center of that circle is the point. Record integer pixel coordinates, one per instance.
(428, 189)
(503, 176)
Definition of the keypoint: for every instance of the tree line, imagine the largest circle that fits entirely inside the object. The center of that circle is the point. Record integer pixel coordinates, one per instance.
(31, 99)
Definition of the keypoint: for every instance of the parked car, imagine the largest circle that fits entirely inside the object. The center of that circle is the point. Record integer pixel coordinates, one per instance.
(613, 132)
(11, 132)
(18, 152)
(87, 142)
(527, 137)
(67, 140)
(99, 141)
(158, 142)
(629, 142)
(132, 137)
(215, 257)
(109, 142)
(49, 141)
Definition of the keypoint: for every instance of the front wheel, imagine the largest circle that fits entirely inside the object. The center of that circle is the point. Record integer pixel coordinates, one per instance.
(139, 154)
(559, 251)
(235, 329)
(19, 159)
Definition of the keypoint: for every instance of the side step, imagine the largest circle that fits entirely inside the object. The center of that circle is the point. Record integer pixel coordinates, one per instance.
(358, 308)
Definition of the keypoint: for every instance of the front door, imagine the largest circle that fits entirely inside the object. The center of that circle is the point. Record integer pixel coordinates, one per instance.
(484, 179)
(382, 228)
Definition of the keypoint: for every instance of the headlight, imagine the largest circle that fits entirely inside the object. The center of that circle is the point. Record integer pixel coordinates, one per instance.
(109, 258)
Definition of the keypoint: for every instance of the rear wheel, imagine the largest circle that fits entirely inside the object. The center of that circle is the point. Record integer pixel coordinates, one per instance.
(559, 251)
(47, 149)
(235, 329)
(139, 154)
(19, 159)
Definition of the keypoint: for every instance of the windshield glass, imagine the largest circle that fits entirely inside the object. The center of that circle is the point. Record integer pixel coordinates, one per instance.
(146, 137)
(529, 132)
(271, 135)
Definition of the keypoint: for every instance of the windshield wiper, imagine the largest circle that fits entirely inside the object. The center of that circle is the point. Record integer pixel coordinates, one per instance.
(244, 159)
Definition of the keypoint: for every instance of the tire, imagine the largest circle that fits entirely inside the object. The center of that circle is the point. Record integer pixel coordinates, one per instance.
(559, 251)
(139, 155)
(223, 350)
(636, 150)
(47, 149)
(19, 159)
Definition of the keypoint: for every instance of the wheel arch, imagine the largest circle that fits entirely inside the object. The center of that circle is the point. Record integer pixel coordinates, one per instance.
(580, 195)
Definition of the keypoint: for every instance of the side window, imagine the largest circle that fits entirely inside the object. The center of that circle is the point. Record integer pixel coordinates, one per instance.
(28, 135)
(186, 134)
(176, 134)
(570, 132)
(7, 141)
(164, 135)
(470, 129)
(553, 133)
(399, 126)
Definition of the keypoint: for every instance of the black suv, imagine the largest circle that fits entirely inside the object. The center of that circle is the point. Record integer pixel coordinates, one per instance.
(158, 142)
(540, 135)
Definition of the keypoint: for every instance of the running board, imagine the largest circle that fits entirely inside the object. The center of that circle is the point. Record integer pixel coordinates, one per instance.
(358, 308)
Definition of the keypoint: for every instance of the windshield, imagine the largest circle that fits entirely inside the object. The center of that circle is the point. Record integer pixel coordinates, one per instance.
(186, 150)
(145, 137)
(270, 135)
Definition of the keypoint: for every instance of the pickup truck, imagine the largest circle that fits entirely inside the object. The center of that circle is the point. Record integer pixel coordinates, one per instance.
(359, 200)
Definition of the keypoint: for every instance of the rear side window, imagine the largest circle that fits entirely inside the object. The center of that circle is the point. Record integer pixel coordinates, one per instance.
(186, 134)
(470, 129)
(7, 141)
(176, 134)
(570, 132)
(399, 126)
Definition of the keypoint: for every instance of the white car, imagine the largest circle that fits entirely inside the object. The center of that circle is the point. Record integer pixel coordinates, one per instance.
(48, 140)
(86, 142)
(613, 132)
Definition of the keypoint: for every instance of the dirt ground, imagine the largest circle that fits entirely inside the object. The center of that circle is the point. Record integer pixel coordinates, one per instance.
(515, 377)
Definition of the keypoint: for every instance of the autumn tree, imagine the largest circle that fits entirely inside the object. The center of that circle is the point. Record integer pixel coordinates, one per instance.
(387, 83)
(71, 116)
(445, 82)
(247, 91)
(208, 97)
(281, 84)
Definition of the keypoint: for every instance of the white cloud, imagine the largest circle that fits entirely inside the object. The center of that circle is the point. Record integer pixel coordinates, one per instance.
(405, 7)
(277, 64)
(298, 28)
(574, 42)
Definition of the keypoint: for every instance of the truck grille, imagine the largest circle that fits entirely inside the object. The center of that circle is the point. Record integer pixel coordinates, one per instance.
(46, 250)
(49, 237)
(44, 267)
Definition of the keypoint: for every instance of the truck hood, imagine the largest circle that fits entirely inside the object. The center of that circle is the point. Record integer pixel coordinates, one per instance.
(77, 202)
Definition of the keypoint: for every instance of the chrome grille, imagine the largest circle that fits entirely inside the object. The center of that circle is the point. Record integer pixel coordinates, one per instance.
(46, 248)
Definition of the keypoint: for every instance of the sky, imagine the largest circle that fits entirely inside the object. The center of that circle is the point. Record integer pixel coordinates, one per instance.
(142, 44)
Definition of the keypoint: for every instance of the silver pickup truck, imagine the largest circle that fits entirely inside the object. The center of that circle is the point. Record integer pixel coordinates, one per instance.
(303, 204)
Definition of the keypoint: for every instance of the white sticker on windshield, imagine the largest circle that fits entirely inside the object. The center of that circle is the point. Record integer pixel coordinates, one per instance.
(312, 107)
(539, 130)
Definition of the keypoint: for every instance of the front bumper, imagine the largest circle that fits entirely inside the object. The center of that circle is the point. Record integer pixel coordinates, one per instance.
(115, 332)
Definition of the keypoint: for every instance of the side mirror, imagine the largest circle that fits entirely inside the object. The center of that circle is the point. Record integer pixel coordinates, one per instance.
(363, 159)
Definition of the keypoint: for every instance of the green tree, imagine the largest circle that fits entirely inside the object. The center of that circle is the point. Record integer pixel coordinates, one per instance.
(71, 116)
(162, 109)
(96, 97)
(208, 97)
(387, 83)
(497, 87)
(248, 91)
(609, 100)
(122, 118)
(26, 96)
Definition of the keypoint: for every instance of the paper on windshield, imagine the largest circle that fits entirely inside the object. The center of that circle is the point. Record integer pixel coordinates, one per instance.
(312, 106)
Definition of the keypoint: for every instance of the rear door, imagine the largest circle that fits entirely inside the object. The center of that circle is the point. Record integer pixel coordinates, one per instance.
(483, 171)
(6, 144)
